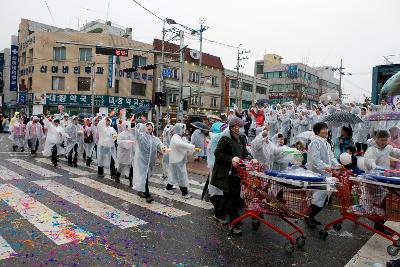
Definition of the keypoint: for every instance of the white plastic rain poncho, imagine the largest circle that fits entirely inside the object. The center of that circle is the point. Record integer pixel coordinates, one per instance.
(362, 130)
(166, 138)
(106, 146)
(376, 157)
(73, 135)
(272, 119)
(177, 158)
(34, 133)
(88, 138)
(125, 147)
(18, 133)
(146, 147)
(303, 124)
(55, 136)
(319, 157)
(198, 139)
(285, 125)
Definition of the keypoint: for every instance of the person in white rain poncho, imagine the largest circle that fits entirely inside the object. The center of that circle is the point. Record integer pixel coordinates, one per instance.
(146, 147)
(54, 138)
(106, 152)
(17, 132)
(320, 159)
(177, 173)
(362, 131)
(199, 140)
(216, 194)
(34, 133)
(88, 140)
(73, 139)
(125, 151)
(166, 139)
(285, 125)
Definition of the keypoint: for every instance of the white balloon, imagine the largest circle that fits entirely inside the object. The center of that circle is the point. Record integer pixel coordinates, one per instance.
(345, 158)
(361, 164)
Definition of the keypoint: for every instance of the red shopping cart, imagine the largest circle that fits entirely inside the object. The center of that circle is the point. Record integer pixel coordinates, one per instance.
(372, 200)
(267, 195)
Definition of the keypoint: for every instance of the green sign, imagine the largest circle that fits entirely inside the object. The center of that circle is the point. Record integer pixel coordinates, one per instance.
(99, 100)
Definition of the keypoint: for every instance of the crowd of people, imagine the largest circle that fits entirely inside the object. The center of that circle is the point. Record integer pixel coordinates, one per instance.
(265, 133)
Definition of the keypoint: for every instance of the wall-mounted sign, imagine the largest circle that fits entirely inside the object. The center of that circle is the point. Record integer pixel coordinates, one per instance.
(14, 68)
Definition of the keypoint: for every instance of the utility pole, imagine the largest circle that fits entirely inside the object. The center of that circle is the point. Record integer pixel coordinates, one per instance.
(92, 85)
(202, 29)
(181, 69)
(340, 79)
(239, 90)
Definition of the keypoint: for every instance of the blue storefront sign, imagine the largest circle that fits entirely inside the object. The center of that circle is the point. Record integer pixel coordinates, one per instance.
(167, 73)
(14, 68)
(292, 71)
(111, 71)
(22, 98)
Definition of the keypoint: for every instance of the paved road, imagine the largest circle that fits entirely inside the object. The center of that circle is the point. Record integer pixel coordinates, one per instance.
(69, 217)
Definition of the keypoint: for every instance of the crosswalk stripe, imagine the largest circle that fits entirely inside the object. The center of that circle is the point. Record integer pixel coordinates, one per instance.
(106, 171)
(33, 168)
(114, 216)
(7, 174)
(5, 249)
(177, 197)
(131, 198)
(72, 170)
(192, 182)
(191, 189)
(56, 227)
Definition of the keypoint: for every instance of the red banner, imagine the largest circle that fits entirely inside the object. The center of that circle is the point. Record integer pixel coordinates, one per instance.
(227, 96)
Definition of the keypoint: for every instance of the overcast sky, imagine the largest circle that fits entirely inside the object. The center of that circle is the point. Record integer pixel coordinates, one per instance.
(316, 32)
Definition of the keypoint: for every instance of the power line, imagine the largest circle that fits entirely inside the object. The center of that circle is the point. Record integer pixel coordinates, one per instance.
(51, 15)
(355, 85)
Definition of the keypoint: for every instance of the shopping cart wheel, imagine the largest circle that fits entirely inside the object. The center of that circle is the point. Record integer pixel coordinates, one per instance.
(323, 234)
(392, 250)
(255, 225)
(300, 242)
(289, 247)
(337, 227)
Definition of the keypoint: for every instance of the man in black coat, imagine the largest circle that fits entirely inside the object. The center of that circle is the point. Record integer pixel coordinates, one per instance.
(230, 149)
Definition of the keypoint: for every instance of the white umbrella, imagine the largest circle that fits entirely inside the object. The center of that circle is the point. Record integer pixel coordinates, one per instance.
(307, 135)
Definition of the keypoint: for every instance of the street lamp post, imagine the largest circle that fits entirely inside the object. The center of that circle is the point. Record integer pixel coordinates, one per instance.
(181, 68)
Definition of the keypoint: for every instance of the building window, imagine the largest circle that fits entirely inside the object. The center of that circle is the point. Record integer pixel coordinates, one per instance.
(194, 100)
(138, 89)
(138, 61)
(31, 55)
(30, 83)
(214, 81)
(247, 87)
(83, 84)
(173, 99)
(233, 83)
(59, 53)
(193, 77)
(85, 54)
(57, 83)
(175, 74)
(213, 102)
(24, 58)
(260, 68)
(261, 90)
(116, 86)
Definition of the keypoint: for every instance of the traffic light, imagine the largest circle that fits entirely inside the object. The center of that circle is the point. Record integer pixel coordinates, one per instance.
(160, 99)
(130, 69)
(149, 67)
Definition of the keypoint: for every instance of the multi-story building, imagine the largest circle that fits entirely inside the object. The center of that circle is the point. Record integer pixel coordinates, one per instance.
(250, 90)
(207, 100)
(60, 69)
(295, 81)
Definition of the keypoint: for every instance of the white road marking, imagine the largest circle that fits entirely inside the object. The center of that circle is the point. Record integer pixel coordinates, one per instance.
(5, 249)
(7, 174)
(373, 253)
(191, 189)
(72, 170)
(192, 182)
(131, 198)
(33, 168)
(56, 227)
(114, 216)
